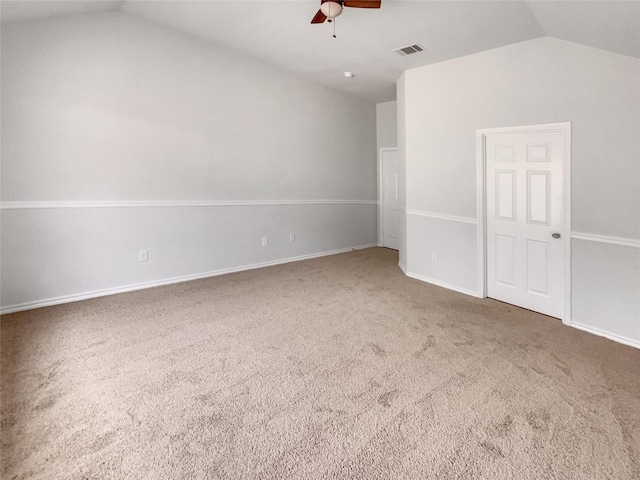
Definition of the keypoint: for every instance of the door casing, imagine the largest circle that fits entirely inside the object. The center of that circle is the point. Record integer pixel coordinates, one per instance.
(565, 128)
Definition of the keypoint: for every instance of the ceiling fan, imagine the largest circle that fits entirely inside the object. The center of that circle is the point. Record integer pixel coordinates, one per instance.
(330, 9)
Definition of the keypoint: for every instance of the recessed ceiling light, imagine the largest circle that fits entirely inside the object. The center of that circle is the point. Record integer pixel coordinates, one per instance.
(348, 75)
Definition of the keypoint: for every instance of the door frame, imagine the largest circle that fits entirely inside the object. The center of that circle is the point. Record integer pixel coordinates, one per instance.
(381, 151)
(481, 134)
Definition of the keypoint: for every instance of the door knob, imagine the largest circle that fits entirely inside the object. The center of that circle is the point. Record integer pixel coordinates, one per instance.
(555, 235)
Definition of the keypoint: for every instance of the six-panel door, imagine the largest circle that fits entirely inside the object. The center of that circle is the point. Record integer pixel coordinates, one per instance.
(524, 201)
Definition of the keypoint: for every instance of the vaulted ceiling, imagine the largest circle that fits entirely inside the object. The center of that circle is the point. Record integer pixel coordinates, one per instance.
(280, 33)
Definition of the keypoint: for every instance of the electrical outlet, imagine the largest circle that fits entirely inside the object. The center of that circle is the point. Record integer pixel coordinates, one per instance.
(292, 238)
(434, 257)
(265, 241)
(143, 255)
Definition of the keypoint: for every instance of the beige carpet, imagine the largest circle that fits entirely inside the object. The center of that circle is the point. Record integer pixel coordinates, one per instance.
(333, 368)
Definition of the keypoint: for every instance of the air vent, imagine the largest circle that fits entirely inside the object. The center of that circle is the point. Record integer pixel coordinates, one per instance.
(408, 50)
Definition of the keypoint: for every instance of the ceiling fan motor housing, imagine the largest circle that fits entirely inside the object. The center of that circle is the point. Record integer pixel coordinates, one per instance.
(331, 9)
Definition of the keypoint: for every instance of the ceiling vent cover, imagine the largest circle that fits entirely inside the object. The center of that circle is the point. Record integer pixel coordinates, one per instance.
(402, 51)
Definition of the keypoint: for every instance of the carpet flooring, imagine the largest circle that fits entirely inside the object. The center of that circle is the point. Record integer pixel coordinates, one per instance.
(333, 368)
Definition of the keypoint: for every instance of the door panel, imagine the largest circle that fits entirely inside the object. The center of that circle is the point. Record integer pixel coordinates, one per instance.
(389, 205)
(537, 253)
(505, 260)
(524, 207)
(506, 195)
(538, 202)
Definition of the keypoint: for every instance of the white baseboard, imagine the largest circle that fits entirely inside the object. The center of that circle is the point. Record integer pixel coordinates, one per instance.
(439, 283)
(167, 281)
(611, 336)
(601, 333)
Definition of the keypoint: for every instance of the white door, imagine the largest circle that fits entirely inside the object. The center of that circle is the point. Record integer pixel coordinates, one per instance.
(525, 219)
(389, 205)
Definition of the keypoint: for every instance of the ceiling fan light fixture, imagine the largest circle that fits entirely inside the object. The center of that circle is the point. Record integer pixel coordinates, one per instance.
(348, 75)
(331, 9)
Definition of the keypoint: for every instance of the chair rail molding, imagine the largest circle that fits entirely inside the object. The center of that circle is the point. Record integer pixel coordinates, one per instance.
(27, 205)
(592, 237)
(441, 216)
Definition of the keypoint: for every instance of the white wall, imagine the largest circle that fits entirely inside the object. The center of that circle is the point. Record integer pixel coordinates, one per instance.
(387, 124)
(540, 81)
(109, 108)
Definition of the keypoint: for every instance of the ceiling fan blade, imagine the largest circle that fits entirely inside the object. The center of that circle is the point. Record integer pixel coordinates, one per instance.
(362, 3)
(319, 18)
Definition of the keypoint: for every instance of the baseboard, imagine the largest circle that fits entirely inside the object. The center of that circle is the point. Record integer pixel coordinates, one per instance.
(611, 336)
(601, 333)
(168, 281)
(439, 283)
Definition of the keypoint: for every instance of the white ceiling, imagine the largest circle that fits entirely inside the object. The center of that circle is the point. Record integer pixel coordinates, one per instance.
(280, 33)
